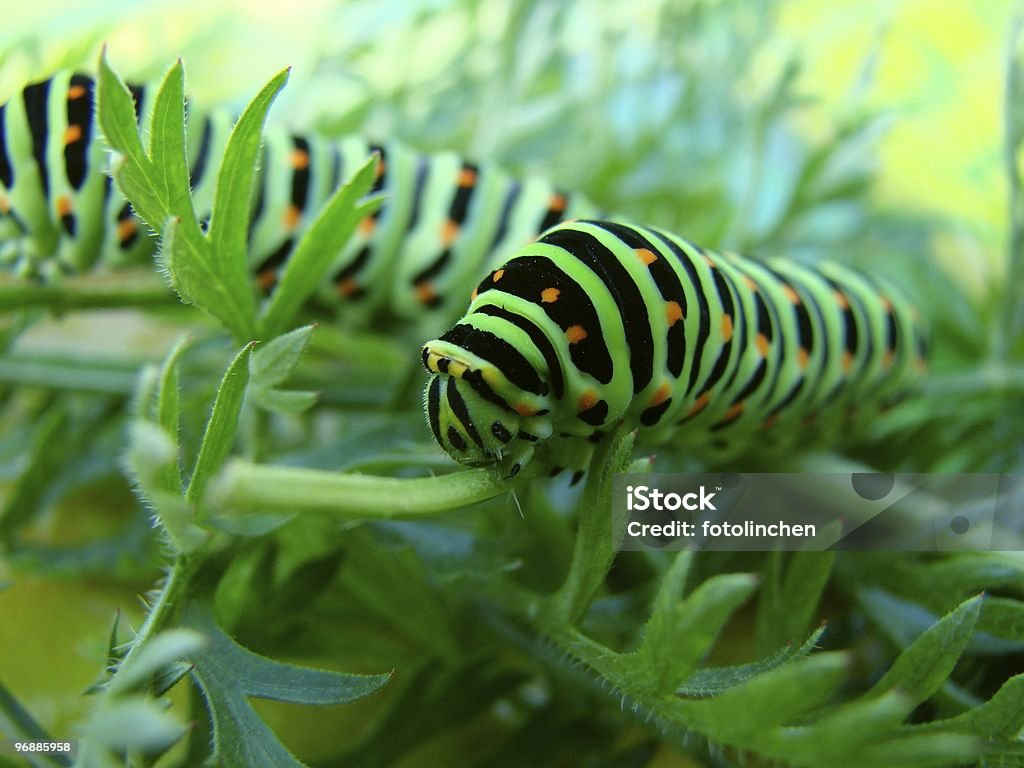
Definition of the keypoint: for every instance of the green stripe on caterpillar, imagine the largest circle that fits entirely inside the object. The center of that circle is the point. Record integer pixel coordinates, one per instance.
(442, 222)
(599, 324)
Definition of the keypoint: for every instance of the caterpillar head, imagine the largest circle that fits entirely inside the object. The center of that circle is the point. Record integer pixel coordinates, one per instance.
(468, 419)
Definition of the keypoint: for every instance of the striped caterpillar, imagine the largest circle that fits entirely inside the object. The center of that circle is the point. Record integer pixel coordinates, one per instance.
(442, 220)
(599, 324)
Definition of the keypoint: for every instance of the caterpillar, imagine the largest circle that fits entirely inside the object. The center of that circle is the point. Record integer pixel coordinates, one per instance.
(442, 220)
(600, 324)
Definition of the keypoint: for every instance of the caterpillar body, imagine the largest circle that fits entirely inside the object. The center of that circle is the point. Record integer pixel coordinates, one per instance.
(600, 324)
(444, 219)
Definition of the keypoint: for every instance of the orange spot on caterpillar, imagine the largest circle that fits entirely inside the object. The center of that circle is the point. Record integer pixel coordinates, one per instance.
(762, 344)
(575, 333)
(699, 404)
(524, 410)
(473, 295)
(587, 401)
(5, 204)
(72, 133)
(76, 92)
(367, 225)
(887, 358)
(842, 301)
(557, 203)
(770, 421)
(549, 295)
(425, 292)
(300, 159)
(750, 283)
(380, 164)
(348, 287)
(63, 206)
(847, 362)
(125, 229)
(734, 411)
(449, 231)
(726, 328)
(661, 394)
(673, 313)
(886, 305)
(802, 355)
(707, 259)
(646, 255)
(467, 177)
(791, 294)
(497, 275)
(291, 217)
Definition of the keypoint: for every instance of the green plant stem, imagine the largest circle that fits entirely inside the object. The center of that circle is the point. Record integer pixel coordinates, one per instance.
(246, 487)
(164, 609)
(110, 378)
(994, 376)
(88, 292)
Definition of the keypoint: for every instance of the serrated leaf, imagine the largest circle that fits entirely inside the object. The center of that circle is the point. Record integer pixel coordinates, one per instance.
(318, 247)
(228, 673)
(219, 436)
(776, 698)
(274, 361)
(715, 680)
(678, 634)
(926, 664)
(229, 222)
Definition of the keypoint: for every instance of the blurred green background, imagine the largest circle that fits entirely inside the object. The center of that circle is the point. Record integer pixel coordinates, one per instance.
(698, 116)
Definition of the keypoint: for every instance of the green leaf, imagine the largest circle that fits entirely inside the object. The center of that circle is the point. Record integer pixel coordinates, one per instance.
(167, 145)
(168, 413)
(219, 436)
(274, 361)
(680, 632)
(227, 673)
(116, 112)
(232, 206)
(1001, 717)
(776, 698)
(318, 247)
(924, 666)
(789, 600)
(715, 680)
